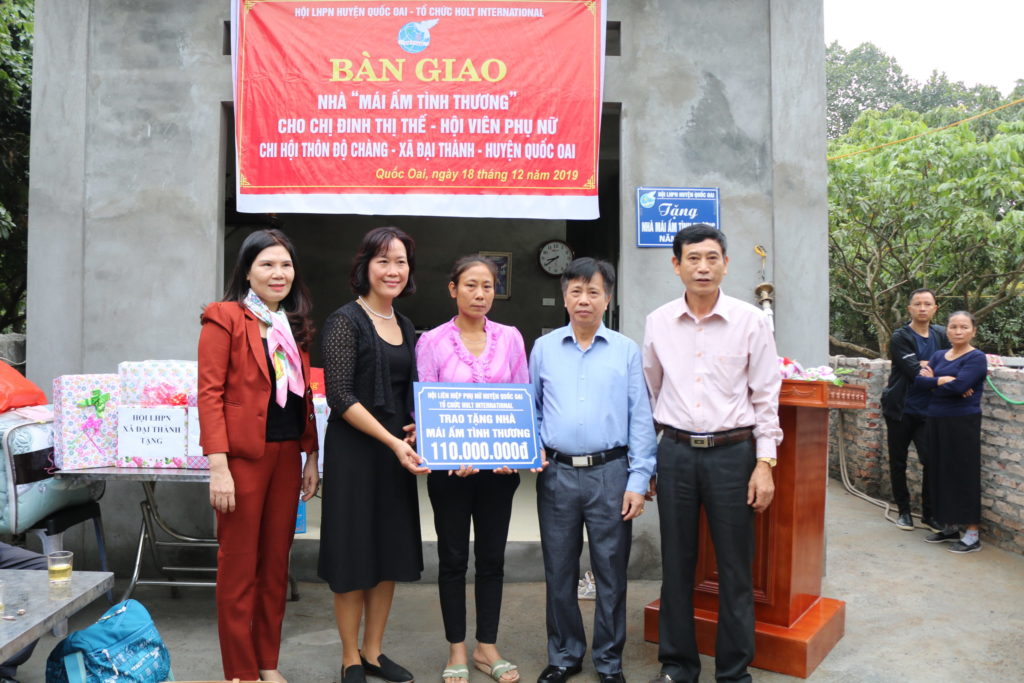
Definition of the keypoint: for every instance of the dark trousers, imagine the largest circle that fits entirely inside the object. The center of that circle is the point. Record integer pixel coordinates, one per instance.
(956, 468)
(899, 435)
(252, 560)
(567, 499)
(485, 499)
(717, 479)
(13, 557)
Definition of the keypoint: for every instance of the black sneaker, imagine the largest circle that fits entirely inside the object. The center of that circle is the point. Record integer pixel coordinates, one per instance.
(944, 536)
(961, 548)
(930, 523)
(387, 669)
(905, 521)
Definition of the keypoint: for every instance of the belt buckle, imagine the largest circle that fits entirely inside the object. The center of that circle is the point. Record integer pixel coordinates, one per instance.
(581, 460)
(702, 440)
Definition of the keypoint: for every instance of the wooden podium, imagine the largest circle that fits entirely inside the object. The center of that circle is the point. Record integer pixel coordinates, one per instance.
(795, 626)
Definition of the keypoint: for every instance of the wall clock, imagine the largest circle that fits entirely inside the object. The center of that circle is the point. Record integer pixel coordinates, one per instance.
(554, 257)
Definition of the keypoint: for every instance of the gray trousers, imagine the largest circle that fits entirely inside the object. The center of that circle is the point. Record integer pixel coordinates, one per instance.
(567, 499)
(13, 557)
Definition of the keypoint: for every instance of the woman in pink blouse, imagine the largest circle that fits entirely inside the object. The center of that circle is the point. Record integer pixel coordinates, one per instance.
(471, 348)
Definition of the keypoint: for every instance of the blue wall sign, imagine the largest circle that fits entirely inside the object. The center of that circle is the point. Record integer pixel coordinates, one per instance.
(484, 425)
(661, 212)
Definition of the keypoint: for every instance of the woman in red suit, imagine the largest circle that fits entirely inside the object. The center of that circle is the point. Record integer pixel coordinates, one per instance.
(256, 415)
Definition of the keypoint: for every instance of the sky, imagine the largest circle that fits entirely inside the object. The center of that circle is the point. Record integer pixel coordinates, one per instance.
(975, 41)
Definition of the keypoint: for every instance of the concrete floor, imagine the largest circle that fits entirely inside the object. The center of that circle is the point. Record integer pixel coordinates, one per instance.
(914, 613)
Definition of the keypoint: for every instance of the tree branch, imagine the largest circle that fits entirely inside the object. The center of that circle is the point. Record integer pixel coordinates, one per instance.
(856, 348)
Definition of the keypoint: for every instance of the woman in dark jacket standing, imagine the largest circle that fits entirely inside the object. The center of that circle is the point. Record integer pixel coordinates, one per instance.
(370, 531)
(256, 415)
(957, 378)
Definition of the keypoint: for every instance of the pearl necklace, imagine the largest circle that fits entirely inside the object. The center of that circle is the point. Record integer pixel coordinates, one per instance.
(370, 310)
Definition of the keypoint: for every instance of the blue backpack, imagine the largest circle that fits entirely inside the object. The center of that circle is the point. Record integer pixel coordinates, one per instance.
(123, 646)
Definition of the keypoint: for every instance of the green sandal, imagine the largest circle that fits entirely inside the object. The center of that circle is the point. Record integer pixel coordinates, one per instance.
(455, 671)
(500, 668)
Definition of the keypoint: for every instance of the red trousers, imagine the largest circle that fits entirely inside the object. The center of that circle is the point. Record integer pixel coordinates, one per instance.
(252, 561)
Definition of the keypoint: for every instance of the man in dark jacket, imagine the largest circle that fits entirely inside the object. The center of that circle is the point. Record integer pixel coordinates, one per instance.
(905, 406)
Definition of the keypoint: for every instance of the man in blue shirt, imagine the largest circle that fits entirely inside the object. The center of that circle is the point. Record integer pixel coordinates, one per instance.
(598, 433)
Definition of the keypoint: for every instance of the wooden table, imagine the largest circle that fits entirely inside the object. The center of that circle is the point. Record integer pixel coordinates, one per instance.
(46, 604)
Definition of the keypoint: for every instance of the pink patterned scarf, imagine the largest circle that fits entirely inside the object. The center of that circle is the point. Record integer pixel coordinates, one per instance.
(283, 352)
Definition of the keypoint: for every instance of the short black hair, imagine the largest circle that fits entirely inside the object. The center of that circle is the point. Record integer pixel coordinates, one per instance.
(695, 234)
(923, 290)
(375, 242)
(584, 268)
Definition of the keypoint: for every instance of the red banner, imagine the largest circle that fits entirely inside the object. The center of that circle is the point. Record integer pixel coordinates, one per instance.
(457, 107)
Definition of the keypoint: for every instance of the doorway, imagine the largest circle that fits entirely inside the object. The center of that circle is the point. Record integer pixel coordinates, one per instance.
(326, 244)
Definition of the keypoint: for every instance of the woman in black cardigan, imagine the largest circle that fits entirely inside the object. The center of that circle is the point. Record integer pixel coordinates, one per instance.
(370, 530)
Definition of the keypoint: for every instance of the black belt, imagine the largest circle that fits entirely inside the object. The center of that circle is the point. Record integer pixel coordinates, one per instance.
(711, 439)
(588, 459)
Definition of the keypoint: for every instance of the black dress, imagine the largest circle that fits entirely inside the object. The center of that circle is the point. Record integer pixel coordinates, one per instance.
(370, 524)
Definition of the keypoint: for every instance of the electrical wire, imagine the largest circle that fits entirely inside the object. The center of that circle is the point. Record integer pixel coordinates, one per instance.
(927, 132)
(845, 474)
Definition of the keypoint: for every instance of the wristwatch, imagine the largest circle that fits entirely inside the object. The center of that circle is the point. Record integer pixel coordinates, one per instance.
(771, 461)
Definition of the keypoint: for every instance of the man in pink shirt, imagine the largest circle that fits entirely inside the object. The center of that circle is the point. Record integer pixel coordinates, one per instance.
(712, 371)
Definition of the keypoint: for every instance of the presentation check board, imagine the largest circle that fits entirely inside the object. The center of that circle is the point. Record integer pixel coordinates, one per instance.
(488, 426)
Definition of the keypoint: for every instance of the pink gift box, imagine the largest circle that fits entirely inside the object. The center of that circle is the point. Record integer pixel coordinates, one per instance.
(85, 420)
(159, 382)
(165, 383)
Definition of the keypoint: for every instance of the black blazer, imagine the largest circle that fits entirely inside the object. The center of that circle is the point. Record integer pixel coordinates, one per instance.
(355, 364)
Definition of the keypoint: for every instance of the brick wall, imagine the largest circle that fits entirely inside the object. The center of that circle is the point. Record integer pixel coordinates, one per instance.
(1002, 450)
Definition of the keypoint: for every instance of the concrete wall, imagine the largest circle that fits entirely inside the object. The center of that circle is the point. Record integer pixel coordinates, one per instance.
(124, 211)
(126, 199)
(729, 95)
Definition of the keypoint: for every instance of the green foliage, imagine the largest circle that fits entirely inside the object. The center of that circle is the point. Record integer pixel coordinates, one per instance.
(1003, 332)
(865, 78)
(944, 211)
(15, 121)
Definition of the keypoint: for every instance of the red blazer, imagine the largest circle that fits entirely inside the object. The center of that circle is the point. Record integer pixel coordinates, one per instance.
(235, 386)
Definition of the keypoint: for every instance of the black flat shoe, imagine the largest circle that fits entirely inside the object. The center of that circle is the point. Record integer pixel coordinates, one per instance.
(388, 670)
(353, 674)
(558, 674)
(612, 678)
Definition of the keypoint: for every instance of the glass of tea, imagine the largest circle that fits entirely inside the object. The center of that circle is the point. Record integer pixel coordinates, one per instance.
(59, 565)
